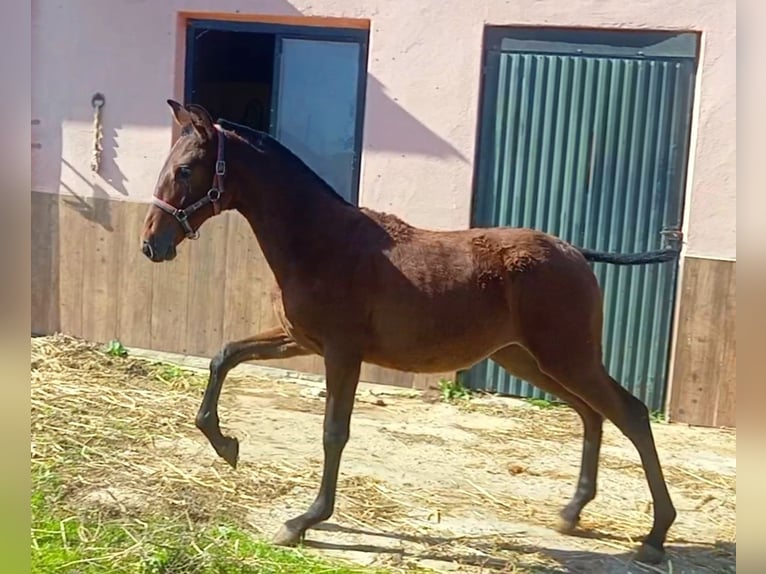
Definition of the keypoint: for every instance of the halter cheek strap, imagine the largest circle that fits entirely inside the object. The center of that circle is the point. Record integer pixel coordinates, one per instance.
(212, 197)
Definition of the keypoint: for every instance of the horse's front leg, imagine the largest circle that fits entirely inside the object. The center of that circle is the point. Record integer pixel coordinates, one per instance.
(342, 372)
(271, 344)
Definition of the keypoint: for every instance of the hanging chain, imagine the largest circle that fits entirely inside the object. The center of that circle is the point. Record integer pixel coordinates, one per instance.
(98, 103)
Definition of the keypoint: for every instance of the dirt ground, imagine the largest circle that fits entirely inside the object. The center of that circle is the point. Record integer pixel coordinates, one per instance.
(470, 487)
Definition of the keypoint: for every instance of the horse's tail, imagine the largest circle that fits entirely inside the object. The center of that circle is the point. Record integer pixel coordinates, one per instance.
(657, 256)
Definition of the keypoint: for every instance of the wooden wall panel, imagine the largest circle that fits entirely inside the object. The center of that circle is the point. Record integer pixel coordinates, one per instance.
(248, 278)
(136, 278)
(74, 239)
(100, 269)
(44, 265)
(92, 281)
(703, 386)
(170, 298)
(207, 286)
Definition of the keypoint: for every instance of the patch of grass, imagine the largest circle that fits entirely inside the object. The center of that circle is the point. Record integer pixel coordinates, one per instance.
(70, 541)
(657, 417)
(170, 373)
(116, 349)
(453, 390)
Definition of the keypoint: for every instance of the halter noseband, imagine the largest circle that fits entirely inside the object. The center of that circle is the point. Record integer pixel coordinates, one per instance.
(213, 195)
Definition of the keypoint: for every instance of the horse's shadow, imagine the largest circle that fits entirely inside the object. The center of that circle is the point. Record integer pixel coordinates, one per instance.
(682, 557)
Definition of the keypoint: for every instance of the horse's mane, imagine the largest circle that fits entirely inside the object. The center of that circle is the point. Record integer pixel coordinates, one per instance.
(265, 142)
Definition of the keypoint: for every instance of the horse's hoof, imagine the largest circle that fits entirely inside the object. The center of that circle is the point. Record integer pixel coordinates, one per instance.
(287, 536)
(229, 451)
(565, 525)
(649, 554)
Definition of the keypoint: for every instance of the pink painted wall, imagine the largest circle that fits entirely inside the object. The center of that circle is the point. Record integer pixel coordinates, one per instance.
(422, 100)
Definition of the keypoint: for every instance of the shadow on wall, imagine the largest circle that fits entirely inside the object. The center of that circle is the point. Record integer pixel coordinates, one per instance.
(388, 126)
(85, 206)
(110, 170)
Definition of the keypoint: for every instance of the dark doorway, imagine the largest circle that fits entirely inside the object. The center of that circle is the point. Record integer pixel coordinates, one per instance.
(233, 76)
(304, 85)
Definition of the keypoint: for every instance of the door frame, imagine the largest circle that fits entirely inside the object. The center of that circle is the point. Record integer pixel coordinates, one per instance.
(293, 27)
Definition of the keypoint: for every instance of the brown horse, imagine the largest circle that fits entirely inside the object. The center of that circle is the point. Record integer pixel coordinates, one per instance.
(355, 285)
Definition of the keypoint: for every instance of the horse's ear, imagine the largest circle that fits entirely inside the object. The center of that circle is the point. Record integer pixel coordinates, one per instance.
(201, 120)
(180, 114)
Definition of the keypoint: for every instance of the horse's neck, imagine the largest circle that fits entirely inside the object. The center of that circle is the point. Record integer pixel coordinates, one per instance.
(297, 228)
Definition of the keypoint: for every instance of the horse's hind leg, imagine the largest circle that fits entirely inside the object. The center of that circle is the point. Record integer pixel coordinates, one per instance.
(517, 361)
(271, 344)
(631, 416)
(589, 380)
(560, 317)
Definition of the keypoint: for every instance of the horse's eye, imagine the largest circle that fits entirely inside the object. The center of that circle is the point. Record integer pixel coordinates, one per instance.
(184, 172)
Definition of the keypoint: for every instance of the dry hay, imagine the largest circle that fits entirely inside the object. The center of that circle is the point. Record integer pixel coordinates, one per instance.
(538, 437)
(113, 429)
(414, 438)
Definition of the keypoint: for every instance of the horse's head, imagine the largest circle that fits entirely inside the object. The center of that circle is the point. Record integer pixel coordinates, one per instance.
(190, 186)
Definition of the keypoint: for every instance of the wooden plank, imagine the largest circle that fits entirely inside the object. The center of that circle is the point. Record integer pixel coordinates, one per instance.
(136, 273)
(383, 376)
(704, 374)
(313, 364)
(247, 308)
(100, 271)
(726, 411)
(72, 236)
(170, 295)
(44, 264)
(289, 20)
(375, 374)
(207, 278)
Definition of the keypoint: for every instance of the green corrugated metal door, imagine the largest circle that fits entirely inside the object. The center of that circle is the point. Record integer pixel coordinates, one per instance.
(585, 135)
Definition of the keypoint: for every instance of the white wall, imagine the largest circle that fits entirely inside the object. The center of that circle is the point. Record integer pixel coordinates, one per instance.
(422, 100)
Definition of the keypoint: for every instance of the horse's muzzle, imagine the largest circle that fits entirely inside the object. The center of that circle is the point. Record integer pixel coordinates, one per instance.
(158, 255)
